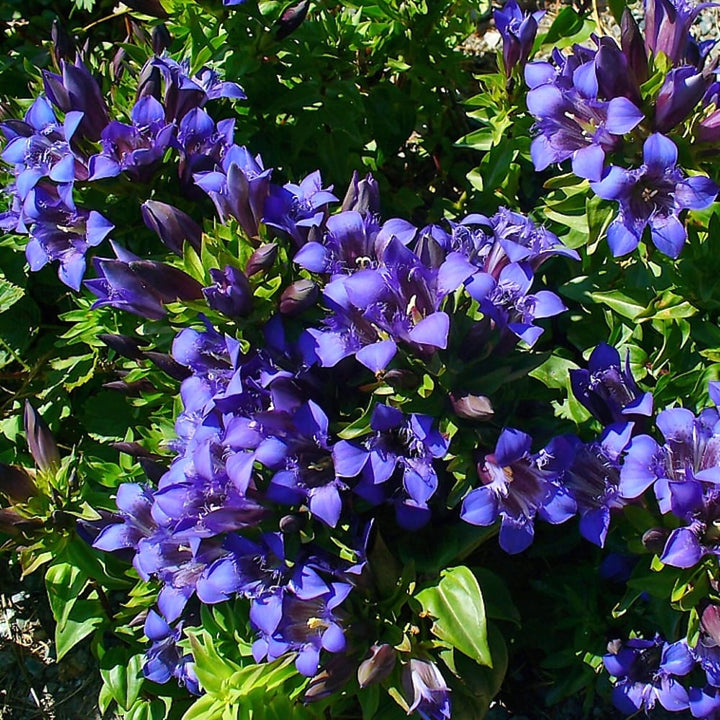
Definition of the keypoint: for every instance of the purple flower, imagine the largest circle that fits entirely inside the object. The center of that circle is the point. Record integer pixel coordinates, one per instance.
(294, 209)
(410, 443)
(572, 123)
(39, 147)
(667, 27)
(135, 149)
(184, 93)
(165, 659)
(203, 144)
(683, 88)
(59, 231)
(239, 189)
(173, 226)
(231, 294)
(646, 672)
(516, 488)
(590, 473)
(75, 90)
(140, 286)
(518, 30)
(707, 650)
(690, 456)
(653, 196)
(426, 690)
(608, 391)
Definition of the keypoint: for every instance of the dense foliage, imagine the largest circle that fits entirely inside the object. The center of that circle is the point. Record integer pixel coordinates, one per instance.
(429, 429)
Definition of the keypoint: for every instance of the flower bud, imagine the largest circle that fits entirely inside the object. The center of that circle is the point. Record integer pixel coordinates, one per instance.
(173, 226)
(472, 407)
(654, 539)
(330, 679)
(363, 196)
(262, 259)
(12, 522)
(231, 294)
(169, 282)
(16, 484)
(298, 297)
(168, 365)
(378, 666)
(291, 19)
(161, 39)
(123, 345)
(293, 523)
(153, 470)
(40, 440)
(132, 448)
(63, 47)
(150, 83)
(401, 379)
(633, 47)
(148, 7)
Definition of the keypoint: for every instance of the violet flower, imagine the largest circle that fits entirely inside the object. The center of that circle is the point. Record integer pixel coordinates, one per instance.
(518, 30)
(294, 209)
(135, 149)
(516, 488)
(231, 294)
(667, 27)
(653, 196)
(609, 391)
(75, 90)
(239, 189)
(39, 147)
(426, 690)
(646, 672)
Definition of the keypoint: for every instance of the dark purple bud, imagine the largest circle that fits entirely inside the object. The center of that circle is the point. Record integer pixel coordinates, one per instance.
(152, 469)
(262, 259)
(330, 679)
(40, 440)
(134, 449)
(168, 365)
(149, 7)
(293, 523)
(633, 47)
(402, 379)
(150, 83)
(161, 39)
(378, 666)
(173, 226)
(472, 407)
(363, 195)
(12, 522)
(169, 282)
(231, 294)
(298, 297)
(16, 484)
(118, 64)
(654, 540)
(133, 389)
(63, 47)
(123, 345)
(291, 19)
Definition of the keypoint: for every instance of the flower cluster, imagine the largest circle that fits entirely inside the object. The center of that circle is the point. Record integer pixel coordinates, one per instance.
(585, 103)
(53, 160)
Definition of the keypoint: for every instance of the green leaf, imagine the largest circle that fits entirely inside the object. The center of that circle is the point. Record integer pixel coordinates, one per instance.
(9, 294)
(64, 583)
(456, 603)
(207, 707)
(619, 302)
(84, 617)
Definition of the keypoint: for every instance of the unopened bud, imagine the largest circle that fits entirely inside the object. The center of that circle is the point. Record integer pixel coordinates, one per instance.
(169, 282)
(123, 345)
(150, 83)
(12, 522)
(168, 365)
(132, 448)
(40, 440)
(262, 259)
(298, 297)
(152, 469)
(654, 540)
(173, 226)
(62, 45)
(401, 379)
(16, 484)
(291, 19)
(472, 407)
(231, 294)
(293, 523)
(161, 39)
(378, 666)
(363, 196)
